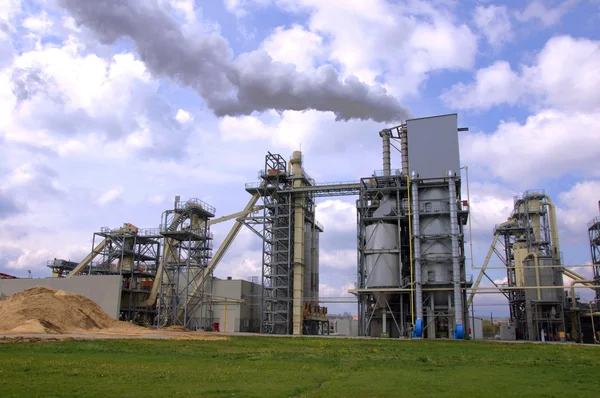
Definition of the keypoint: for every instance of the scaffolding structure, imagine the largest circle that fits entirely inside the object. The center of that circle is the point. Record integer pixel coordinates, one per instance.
(130, 252)
(390, 304)
(411, 265)
(528, 247)
(372, 192)
(282, 265)
(594, 236)
(186, 255)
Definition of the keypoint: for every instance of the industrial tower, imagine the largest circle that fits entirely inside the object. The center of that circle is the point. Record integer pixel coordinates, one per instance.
(290, 235)
(594, 235)
(411, 263)
(129, 251)
(187, 253)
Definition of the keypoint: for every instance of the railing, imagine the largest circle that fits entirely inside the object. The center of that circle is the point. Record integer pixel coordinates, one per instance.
(594, 221)
(149, 232)
(164, 228)
(253, 184)
(319, 225)
(194, 202)
(381, 173)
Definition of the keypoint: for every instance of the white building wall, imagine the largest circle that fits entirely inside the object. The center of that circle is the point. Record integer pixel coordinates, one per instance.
(476, 326)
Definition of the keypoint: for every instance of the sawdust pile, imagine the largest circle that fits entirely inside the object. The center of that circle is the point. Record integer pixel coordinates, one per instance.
(46, 310)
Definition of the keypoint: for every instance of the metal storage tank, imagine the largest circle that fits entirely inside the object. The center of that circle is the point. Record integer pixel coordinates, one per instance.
(548, 276)
(383, 269)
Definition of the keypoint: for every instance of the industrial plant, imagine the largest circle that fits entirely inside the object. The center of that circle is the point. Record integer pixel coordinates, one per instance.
(411, 277)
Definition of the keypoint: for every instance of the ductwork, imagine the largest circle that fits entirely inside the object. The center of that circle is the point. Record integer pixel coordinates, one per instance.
(458, 307)
(417, 248)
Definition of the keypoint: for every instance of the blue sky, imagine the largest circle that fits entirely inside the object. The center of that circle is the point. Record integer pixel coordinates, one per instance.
(106, 114)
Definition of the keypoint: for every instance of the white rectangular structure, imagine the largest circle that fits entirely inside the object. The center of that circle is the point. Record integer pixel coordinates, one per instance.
(433, 146)
(104, 290)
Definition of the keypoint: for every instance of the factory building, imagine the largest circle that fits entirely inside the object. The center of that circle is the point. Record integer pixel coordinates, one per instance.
(594, 236)
(411, 280)
(411, 269)
(542, 307)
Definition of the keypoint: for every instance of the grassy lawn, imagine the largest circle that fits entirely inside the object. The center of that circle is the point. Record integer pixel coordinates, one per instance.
(287, 367)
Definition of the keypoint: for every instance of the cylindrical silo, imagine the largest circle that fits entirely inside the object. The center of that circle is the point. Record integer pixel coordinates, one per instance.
(315, 265)
(383, 269)
(308, 263)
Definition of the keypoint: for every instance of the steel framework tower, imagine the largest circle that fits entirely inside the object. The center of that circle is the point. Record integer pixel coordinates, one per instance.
(187, 252)
(594, 235)
(287, 217)
(128, 251)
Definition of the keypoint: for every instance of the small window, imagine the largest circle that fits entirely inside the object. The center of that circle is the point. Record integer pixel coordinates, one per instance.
(431, 276)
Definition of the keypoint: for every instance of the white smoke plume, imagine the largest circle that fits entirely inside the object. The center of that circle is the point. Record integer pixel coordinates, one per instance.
(251, 82)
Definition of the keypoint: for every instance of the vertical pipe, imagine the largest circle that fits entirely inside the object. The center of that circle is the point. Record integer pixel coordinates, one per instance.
(417, 249)
(410, 254)
(298, 279)
(404, 149)
(458, 311)
(554, 227)
(387, 162)
(383, 322)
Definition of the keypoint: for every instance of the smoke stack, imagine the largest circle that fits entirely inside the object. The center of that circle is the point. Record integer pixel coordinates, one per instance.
(387, 161)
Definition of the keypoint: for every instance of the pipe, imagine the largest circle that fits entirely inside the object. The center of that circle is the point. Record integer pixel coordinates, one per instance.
(417, 248)
(458, 307)
(410, 254)
(298, 279)
(404, 149)
(469, 204)
(387, 162)
(553, 228)
(582, 281)
(537, 273)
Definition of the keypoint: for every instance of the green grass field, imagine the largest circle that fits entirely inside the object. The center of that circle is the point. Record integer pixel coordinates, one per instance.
(287, 367)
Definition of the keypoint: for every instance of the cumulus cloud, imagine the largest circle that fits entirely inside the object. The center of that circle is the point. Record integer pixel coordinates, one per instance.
(494, 22)
(251, 82)
(548, 16)
(563, 75)
(295, 45)
(578, 206)
(400, 43)
(546, 145)
(110, 196)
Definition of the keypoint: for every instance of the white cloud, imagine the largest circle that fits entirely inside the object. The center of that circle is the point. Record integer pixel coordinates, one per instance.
(110, 196)
(295, 45)
(338, 259)
(290, 129)
(183, 116)
(185, 7)
(490, 204)
(400, 43)
(337, 215)
(326, 290)
(549, 144)
(39, 24)
(563, 75)
(493, 85)
(494, 22)
(548, 16)
(577, 207)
